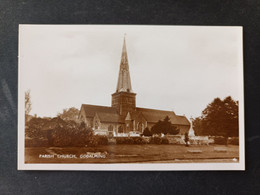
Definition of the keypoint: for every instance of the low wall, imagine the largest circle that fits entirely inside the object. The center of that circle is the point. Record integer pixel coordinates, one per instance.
(175, 139)
(101, 132)
(201, 140)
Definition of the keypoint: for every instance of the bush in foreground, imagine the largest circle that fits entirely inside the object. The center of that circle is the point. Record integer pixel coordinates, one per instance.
(156, 140)
(130, 140)
(220, 140)
(147, 132)
(233, 140)
(101, 140)
(165, 140)
(159, 140)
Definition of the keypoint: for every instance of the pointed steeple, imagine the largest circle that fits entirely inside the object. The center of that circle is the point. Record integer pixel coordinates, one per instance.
(124, 82)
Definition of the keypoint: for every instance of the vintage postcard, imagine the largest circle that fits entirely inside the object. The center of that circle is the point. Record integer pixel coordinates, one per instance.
(128, 97)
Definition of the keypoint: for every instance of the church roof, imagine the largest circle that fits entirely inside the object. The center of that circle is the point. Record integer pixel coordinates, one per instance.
(90, 110)
(108, 117)
(105, 113)
(109, 114)
(153, 116)
(182, 120)
(124, 81)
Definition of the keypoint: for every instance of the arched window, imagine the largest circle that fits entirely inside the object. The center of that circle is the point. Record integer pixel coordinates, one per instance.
(96, 125)
(110, 128)
(120, 129)
(140, 127)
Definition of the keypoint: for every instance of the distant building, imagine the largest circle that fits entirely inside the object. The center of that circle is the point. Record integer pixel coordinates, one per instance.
(123, 117)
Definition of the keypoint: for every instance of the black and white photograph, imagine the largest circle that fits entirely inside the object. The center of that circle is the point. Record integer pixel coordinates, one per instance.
(130, 97)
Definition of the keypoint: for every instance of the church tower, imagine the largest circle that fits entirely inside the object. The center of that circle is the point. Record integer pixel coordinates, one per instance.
(124, 98)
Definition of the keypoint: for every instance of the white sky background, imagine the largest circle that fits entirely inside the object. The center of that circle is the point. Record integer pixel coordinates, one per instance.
(179, 68)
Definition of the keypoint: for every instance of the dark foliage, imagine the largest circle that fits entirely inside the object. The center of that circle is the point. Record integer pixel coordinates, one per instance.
(36, 142)
(61, 133)
(156, 140)
(138, 140)
(147, 132)
(165, 127)
(70, 114)
(101, 140)
(165, 140)
(233, 141)
(220, 140)
(130, 140)
(159, 140)
(72, 136)
(220, 118)
(33, 128)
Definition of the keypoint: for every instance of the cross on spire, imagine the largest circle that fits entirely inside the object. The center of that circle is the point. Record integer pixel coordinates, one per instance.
(124, 82)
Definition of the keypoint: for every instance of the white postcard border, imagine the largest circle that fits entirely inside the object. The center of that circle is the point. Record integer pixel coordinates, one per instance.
(128, 166)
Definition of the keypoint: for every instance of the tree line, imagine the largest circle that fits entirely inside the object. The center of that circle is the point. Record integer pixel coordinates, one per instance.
(219, 118)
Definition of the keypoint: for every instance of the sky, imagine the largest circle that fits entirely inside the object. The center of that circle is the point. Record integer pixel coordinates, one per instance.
(177, 68)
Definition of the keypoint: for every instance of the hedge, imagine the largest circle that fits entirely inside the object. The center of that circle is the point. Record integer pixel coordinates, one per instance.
(220, 140)
(233, 140)
(130, 140)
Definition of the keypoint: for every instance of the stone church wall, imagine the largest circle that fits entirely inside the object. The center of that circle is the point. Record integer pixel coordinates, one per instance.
(183, 129)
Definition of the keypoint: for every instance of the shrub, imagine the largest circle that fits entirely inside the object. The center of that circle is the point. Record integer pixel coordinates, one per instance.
(233, 141)
(81, 137)
(165, 140)
(147, 132)
(220, 140)
(165, 127)
(138, 140)
(122, 140)
(60, 138)
(156, 140)
(101, 140)
(130, 140)
(72, 136)
(147, 139)
(33, 128)
(92, 141)
(35, 142)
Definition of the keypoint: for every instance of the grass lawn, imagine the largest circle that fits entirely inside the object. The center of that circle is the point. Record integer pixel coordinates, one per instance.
(134, 154)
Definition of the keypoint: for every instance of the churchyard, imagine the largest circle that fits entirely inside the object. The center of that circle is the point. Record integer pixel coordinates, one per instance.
(57, 141)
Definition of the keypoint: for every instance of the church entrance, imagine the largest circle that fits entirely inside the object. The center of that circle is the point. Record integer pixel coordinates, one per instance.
(120, 129)
(140, 127)
(96, 125)
(110, 131)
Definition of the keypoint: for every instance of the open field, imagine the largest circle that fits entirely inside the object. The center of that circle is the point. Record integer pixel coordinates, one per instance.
(133, 154)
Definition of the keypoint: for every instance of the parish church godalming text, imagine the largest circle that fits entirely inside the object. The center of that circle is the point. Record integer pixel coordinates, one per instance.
(123, 117)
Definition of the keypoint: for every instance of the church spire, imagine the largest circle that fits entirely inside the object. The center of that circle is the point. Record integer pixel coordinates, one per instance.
(124, 82)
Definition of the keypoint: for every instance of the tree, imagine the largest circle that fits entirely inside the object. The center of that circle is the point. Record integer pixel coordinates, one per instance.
(147, 132)
(69, 114)
(28, 104)
(165, 127)
(197, 126)
(219, 118)
(157, 128)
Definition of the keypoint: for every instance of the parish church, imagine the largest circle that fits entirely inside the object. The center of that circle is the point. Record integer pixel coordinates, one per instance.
(123, 117)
